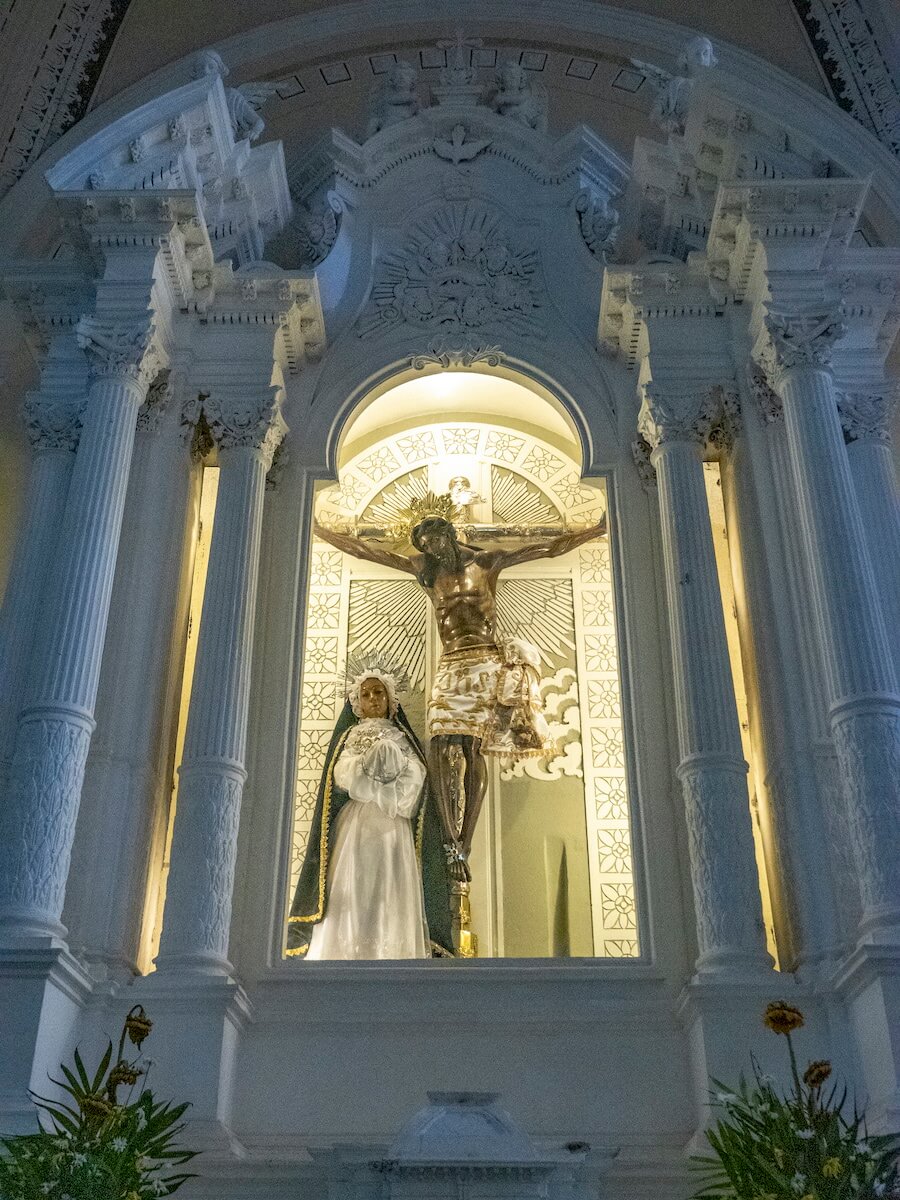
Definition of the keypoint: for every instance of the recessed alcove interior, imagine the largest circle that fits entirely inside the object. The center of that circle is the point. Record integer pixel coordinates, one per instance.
(539, 891)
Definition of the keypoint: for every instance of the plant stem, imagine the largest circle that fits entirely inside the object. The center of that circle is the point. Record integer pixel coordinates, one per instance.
(797, 1089)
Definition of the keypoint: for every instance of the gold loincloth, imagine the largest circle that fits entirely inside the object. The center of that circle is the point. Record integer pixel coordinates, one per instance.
(464, 691)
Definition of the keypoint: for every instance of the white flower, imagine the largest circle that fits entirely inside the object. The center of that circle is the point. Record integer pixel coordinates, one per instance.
(160, 1188)
(798, 1183)
(726, 1097)
(806, 1134)
(79, 1159)
(878, 1187)
(141, 1119)
(48, 1187)
(118, 1143)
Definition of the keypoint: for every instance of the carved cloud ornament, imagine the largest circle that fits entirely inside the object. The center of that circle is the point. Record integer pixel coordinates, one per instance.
(459, 269)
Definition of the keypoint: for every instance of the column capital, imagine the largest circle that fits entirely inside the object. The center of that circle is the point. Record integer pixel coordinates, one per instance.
(766, 399)
(52, 422)
(677, 412)
(803, 339)
(155, 406)
(641, 452)
(118, 349)
(252, 423)
(866, 416)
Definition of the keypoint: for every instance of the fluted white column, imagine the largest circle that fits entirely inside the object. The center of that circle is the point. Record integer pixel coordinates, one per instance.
(53, 424)
(37, 819)
(712, 769)
(128, 780)
(816, 881)
(861, 683)
(197, 912)
(866, 419)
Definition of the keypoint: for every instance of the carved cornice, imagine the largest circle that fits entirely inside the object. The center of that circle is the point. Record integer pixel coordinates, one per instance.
(48, 298)
(866, 416)
(804, 340)
(247, 424)
(78, 37)
(681, 412)
(860, 76)
(51, 422)
(118, 350)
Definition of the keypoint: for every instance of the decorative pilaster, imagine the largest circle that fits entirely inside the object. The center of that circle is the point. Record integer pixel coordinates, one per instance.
(860, 681)
(53, 423)
(866, 421)
(676, 421)
(212, 774)
(37, 820)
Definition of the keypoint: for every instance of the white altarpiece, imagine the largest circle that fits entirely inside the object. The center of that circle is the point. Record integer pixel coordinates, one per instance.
(552, 862)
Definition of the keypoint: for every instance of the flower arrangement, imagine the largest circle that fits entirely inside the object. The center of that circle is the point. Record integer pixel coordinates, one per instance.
(101, 1146)
(799, 1146)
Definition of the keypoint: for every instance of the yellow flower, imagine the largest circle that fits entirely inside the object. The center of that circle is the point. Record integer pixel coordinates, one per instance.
(816, 1073)
(832, 1167)
(123, 1072)
(94, 1106)
(779, 1156)
(138, 1024)
(782, 1017)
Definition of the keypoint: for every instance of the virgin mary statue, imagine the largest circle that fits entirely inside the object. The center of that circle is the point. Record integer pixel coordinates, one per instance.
(374, 880)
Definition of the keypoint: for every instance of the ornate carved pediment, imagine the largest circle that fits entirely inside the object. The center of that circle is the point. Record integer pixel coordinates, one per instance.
(459, 269)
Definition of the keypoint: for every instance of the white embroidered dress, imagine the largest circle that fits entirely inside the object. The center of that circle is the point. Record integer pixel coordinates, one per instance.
(375, 904)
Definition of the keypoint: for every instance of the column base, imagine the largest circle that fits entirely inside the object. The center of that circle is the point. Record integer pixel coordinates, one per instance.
(22, 926)
(868, 981)
(43, 992)
(197, 1023)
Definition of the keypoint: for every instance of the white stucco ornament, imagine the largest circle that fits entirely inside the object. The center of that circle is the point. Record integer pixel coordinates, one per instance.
(460, 268)
(673, 92)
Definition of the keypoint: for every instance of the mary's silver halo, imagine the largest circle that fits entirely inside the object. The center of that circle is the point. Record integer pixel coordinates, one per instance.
(359, 665)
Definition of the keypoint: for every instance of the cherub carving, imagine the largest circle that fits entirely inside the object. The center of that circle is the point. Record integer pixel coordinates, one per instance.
(517, 98)
(396, 99)
(599, 223)
(673, 92)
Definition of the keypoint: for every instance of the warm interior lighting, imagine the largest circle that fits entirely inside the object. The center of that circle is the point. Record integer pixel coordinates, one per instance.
(159, 867)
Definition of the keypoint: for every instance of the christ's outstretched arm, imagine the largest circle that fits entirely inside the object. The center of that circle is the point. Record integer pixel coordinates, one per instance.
(554, 548)
(360, 549)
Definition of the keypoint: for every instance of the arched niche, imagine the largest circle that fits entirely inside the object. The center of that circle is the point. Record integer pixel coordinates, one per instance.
(553, 862)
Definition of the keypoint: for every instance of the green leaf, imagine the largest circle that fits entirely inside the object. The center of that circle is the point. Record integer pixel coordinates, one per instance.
(98, 1079)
